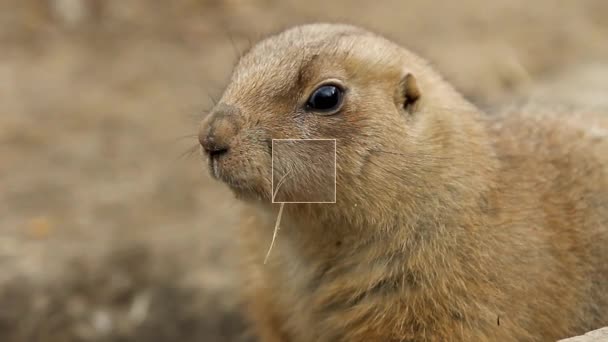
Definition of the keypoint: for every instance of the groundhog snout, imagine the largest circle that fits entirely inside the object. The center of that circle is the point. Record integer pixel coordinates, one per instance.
(218, 130)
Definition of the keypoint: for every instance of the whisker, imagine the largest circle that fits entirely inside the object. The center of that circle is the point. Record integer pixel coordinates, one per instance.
(212, 99)
(195, 117)
(238, 52)
(195, 111)
(188, 153)
(180, 138)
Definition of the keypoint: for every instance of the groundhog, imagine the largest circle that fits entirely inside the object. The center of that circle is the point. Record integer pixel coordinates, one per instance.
(449, 224)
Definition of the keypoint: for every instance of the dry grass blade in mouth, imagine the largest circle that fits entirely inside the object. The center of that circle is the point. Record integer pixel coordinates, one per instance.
(276, 230)
(279, 184)
(278, 222)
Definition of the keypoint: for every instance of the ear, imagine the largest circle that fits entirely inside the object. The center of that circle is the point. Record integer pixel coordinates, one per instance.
(410, 93)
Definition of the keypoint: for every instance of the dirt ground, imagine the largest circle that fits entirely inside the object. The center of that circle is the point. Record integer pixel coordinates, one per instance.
(110, 228)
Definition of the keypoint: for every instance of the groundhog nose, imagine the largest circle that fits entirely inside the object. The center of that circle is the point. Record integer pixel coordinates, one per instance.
(213, 147)
(218, 130)
(212, 144)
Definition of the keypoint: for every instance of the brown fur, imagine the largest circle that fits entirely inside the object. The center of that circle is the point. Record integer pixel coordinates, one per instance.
(449, 225)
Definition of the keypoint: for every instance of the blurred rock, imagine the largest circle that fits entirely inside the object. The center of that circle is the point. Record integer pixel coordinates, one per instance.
(600, 335)
(71, 12)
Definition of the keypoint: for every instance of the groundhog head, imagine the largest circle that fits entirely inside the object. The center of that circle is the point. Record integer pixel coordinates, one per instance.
(362, 93)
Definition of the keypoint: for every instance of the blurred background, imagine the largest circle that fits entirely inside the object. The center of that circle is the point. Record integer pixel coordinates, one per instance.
(110, 228)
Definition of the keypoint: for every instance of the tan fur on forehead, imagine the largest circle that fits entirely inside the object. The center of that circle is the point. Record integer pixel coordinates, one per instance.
(287, 64)
(287, 55)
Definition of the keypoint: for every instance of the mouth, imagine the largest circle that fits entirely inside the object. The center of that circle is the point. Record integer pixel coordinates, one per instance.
(242, 188)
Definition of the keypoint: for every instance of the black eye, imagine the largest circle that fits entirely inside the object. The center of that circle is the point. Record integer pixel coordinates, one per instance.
(325, 99)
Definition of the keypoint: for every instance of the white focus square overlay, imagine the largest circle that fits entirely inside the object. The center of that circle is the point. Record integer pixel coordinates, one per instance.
(304, 170)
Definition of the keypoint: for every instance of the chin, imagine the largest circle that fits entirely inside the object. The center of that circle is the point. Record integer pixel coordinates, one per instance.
(247, 193)
(245, 189)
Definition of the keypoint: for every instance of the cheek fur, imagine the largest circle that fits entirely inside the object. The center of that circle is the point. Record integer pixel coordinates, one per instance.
(305, 171)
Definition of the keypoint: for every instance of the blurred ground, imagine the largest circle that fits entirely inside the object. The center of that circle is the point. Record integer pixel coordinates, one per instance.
(106, 233)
